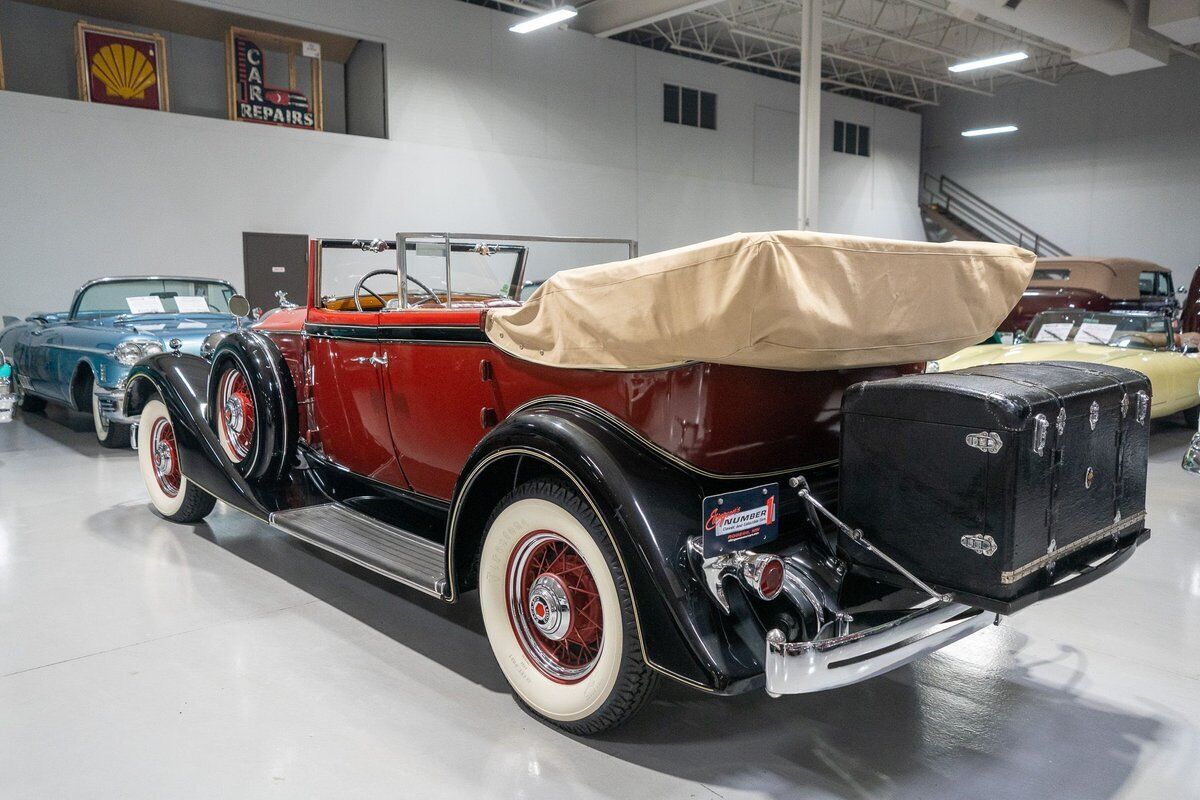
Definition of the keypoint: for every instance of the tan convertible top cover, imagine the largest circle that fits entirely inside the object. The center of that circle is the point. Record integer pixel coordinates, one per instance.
(783, 300)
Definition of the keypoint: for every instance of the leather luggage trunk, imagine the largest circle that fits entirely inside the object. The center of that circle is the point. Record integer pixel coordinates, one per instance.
(990, 481)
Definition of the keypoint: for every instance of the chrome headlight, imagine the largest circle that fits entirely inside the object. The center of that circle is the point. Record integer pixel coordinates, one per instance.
(933, 366)
(129, 353)
(211, 341)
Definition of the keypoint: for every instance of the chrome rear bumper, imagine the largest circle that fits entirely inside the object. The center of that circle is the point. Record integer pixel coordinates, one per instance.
(799, 667)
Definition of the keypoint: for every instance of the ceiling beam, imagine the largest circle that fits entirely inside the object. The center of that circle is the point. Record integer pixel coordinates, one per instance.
(796, 74)
(949, 54)
(606, 18)
(771, 38)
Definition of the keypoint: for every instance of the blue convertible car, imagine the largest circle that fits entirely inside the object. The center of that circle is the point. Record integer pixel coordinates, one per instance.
(80, 357)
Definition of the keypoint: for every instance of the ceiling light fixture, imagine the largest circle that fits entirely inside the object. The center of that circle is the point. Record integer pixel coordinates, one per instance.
(560, 14)
(992, 61)
(990, 131)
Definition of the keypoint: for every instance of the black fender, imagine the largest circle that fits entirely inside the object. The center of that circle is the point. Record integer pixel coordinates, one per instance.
(180, 381)
(275, 430)
(650, 507)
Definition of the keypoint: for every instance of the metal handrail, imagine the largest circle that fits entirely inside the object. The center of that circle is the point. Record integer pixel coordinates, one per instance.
(961, 203)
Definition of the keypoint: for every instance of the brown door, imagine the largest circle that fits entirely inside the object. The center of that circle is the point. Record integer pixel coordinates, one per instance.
(274, 262)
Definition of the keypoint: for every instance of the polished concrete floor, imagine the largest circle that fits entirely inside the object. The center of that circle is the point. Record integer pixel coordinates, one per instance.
(140, 659)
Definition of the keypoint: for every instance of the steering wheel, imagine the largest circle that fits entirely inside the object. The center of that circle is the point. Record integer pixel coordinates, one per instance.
(359, 287)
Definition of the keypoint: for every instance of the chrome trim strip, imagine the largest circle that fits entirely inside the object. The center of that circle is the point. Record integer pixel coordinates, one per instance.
(1012, 576)
(526, 451)
(70, 348)
(801, 667)
(659, 449)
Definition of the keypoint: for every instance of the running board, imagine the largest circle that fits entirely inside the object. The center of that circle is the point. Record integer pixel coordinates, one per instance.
(368, 542)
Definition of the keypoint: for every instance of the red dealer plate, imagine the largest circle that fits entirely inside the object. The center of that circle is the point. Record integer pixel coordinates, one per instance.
(740, 520)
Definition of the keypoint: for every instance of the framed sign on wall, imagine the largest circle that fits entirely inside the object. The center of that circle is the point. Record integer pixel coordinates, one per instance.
(121, 68)
(253, 99)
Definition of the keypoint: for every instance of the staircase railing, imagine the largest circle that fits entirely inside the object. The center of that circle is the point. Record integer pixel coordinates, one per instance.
(962, 205)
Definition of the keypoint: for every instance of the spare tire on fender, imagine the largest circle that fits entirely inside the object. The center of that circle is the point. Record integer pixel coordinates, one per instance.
(252, 406)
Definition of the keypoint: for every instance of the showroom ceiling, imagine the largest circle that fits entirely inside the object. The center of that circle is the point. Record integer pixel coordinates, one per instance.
(896, 52)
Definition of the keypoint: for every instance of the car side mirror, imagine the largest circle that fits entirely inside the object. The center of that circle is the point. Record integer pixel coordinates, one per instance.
(1019, 337)
(239, 306)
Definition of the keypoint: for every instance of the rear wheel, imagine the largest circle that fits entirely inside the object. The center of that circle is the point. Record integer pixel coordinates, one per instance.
(26, 401)
(109, 434)
(558, 611)
(172, 495)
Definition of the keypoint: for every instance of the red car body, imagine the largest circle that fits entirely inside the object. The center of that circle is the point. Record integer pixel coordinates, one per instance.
(394, 434)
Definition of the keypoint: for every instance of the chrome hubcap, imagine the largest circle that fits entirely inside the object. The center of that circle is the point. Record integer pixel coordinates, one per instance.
(164, 459)
(235, 418)
(549, 607)
(163, 462)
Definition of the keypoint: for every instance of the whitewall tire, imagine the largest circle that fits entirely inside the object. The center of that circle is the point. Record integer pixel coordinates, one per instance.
(558, 612)
(172, 495)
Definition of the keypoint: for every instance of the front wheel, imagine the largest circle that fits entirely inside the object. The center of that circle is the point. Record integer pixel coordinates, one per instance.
(172, 495)
(1191, 417)
(109, 434)
(558, 612)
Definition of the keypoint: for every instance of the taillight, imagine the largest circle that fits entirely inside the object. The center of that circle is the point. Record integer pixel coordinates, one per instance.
(764, 575)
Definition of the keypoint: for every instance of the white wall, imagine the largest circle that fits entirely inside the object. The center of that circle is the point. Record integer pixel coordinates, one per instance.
(556, 133)
(1101, 166)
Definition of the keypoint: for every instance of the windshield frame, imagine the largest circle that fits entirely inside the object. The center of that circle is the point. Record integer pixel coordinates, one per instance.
(74, 312)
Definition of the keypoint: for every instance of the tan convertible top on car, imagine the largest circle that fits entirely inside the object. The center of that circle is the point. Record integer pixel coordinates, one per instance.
(1114, 277)
(782, 300)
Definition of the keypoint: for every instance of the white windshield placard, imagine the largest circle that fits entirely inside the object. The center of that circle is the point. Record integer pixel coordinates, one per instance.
(148, 304)
(188, 304)
(1054, 332)
(1095, 333)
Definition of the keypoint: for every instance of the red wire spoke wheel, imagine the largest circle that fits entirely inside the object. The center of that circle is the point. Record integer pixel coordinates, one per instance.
(173, 496)
(558, 612)
(165, 457)
(554, 607)
(236, 414)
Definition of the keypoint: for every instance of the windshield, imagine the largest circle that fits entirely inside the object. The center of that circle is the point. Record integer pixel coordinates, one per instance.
(1137, 331)
(153, 296)
(480, 274)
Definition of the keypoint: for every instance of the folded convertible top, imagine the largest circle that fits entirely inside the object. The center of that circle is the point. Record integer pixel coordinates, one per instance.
(788, 300)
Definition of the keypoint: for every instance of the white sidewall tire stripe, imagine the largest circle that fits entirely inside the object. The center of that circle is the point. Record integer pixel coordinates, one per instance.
(562, 702)
(164, 504)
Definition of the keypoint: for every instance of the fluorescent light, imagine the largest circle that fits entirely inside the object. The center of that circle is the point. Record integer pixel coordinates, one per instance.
(990, 131)
(1006, 58)
(560, 14)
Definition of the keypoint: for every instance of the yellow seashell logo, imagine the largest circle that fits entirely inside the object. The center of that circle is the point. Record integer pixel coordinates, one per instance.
(124, 71)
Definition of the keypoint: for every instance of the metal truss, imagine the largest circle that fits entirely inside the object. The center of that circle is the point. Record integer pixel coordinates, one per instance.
(894, 52)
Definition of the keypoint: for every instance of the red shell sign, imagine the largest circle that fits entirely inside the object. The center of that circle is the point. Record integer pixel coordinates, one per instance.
(124, 69)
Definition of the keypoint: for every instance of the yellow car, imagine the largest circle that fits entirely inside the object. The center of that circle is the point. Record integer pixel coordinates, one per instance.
(1144, 341)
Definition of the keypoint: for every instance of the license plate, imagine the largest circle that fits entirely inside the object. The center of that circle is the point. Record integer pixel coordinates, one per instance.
(740, 520)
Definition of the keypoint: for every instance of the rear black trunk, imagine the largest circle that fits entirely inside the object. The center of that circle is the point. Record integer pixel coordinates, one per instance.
(991, 482)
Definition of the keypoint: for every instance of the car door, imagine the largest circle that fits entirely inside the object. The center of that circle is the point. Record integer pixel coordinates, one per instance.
(439, 391)
(345, 363)
(42, 359)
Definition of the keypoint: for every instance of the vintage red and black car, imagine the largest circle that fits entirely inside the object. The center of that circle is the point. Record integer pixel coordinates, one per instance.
(707, 516)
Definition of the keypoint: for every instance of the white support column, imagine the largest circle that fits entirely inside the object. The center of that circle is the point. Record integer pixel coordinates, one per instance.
(809, 186)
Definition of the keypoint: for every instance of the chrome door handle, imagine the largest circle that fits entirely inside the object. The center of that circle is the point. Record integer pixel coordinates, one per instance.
(374, 360)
